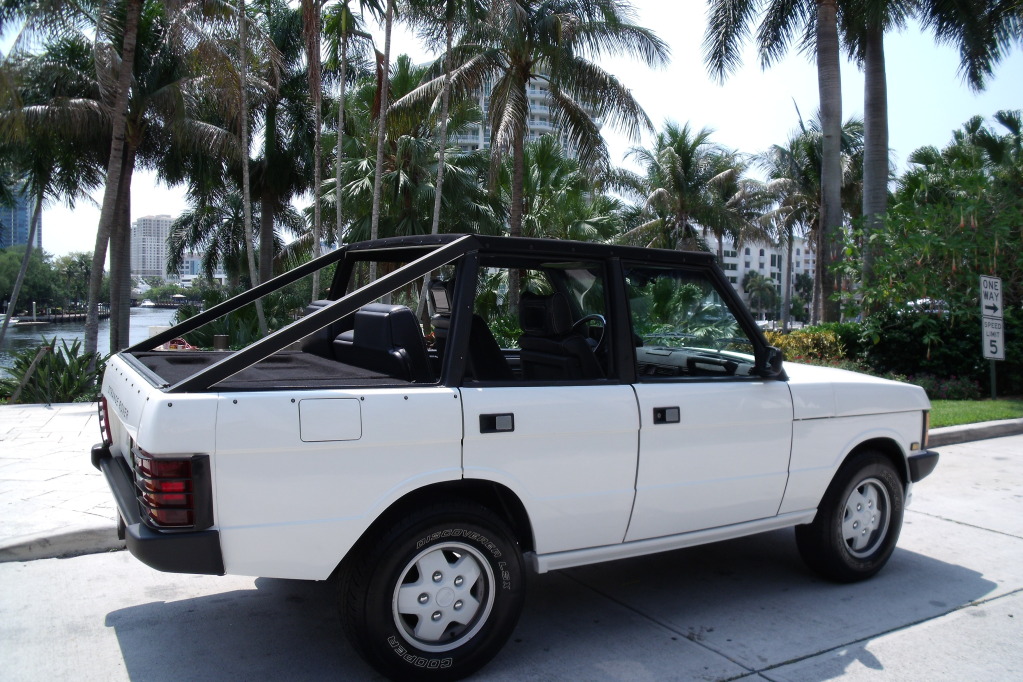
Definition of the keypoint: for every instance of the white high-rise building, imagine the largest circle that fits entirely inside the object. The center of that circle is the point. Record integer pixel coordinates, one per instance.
(765, 259)
(149, 245)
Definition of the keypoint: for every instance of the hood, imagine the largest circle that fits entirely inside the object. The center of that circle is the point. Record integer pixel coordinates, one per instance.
(819, 392)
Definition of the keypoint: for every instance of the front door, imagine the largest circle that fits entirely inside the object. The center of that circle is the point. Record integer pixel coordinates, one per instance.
(714, 438)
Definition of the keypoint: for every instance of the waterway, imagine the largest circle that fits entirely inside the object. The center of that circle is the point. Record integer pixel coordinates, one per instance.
(20, 337)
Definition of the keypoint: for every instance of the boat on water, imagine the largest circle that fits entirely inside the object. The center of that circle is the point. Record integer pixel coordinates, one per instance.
(146, 303)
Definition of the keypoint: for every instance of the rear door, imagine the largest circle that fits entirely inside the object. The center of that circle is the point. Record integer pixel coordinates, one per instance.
(566, 445)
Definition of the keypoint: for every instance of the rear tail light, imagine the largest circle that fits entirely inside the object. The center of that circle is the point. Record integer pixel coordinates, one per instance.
(173, 493)
(104, 422)
(927, 428)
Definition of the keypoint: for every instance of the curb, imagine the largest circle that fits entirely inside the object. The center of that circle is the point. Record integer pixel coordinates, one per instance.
(61, 545)
(966, 433)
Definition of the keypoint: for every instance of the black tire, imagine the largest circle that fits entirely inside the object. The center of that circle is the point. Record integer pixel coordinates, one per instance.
(858, 521)
(473, 595)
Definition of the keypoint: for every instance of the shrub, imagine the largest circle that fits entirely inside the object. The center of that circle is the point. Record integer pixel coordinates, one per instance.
(952, 388)
(849, 333)
(61, 375)
(811, 343)
(914, 343)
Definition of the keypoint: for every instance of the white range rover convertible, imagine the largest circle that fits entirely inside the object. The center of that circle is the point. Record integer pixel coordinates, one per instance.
(569, 403)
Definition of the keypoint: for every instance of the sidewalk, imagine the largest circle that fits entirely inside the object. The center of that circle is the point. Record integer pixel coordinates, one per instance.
(53, 503)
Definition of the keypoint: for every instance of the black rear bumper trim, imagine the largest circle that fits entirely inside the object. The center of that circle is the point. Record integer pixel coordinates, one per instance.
(172, 552)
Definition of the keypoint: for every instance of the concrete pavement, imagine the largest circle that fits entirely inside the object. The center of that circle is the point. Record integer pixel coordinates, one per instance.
(55, 504)
(949, 606)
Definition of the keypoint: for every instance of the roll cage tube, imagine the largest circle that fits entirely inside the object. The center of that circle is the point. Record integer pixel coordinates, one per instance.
(250, 355)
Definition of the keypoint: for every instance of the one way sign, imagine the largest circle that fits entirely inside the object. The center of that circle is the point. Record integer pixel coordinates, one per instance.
(990, 296)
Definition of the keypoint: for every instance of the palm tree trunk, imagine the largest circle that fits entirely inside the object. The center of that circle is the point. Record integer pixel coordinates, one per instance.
(243, 77)
(120, 257)
(829, 83)
(311, 13)
(515, 212)
(445, 99)
(340, 154)
(267, 200)
(374, 229)
(119, 116)
(12, 305)
(875, 148)
(268, 208)
(786, 305)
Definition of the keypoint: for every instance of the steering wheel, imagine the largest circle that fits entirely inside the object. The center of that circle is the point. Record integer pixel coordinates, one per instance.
(593, 317)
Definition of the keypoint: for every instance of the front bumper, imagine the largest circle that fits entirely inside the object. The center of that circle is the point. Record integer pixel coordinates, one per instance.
(922, 464)
(172, 552)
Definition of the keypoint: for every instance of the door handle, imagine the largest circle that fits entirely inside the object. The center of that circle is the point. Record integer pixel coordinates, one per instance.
(497, 423)
(667, 415)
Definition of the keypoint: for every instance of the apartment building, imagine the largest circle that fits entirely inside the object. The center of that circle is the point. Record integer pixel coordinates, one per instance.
(767, 260)
(149, 245)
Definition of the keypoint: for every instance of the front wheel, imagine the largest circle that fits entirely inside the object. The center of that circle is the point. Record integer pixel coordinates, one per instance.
(858, 521)
(437, 596)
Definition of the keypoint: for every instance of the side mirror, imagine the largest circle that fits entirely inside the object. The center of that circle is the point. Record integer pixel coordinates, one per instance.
(771, 364)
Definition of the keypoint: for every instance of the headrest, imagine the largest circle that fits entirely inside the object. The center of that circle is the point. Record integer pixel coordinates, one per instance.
(440, 296)
(544, 315)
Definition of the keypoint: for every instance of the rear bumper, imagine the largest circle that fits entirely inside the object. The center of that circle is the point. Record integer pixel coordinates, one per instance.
(172, 552)
(922, 464)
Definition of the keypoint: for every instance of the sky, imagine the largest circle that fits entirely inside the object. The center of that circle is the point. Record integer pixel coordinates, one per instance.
(749, 112)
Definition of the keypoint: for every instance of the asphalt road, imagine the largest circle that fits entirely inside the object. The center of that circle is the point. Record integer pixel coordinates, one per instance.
(949, 606)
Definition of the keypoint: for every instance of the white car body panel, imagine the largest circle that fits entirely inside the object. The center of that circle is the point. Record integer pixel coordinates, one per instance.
(571, 458)
(725, 462)
(310, 501)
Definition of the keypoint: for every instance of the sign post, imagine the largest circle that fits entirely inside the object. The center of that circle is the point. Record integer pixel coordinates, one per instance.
(992, 328)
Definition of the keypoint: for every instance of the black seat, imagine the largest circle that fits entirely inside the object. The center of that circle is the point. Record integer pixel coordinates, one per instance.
(550, 348)
(484, 361)
(386, 339)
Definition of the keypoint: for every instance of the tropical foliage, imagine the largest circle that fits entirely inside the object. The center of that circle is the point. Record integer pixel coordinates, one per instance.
(51, 374)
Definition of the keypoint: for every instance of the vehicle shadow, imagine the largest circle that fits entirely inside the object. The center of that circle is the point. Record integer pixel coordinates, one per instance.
(713, 612)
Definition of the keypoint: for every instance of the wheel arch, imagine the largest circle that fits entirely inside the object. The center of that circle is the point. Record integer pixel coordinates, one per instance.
(497, 498)
(890, 450)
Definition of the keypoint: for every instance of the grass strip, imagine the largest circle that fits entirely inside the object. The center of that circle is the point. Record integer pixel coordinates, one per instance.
(955, 412)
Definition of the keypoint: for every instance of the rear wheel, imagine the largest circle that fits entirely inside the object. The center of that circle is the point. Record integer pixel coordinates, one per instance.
(858, 521)
(436, 597)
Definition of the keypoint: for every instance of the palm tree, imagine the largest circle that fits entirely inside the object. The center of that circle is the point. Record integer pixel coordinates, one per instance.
(383, 91)
(817, 22)
(408, 171)
(552, 43)
(118, 24)
(437, 24)
(761, 291)
(243, 125)
(690, 186)
(312, 30)
(794, 179)
(562, 201)
(50, 149)
(344, 30)
(981, 30)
